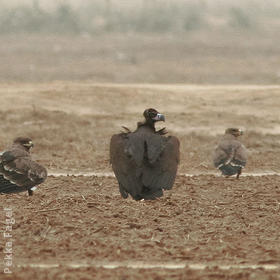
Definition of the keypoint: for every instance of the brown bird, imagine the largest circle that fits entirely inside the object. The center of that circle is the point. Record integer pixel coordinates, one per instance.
(18, 172)
(230, 155)
(145, 161)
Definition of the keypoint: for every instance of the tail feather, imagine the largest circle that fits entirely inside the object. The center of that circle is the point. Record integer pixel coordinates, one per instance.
(8, 187)
(229, 169)
(152, 194)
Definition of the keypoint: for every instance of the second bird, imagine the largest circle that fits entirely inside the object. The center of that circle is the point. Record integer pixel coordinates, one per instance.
(18, 172)
(145, 161)
(230, 155)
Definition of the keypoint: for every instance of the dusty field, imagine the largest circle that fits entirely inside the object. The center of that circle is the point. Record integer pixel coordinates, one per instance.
(204, 220)
(71, 123)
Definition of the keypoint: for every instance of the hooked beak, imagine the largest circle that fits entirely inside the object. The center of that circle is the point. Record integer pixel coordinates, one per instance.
(159, 117)
(29, 144)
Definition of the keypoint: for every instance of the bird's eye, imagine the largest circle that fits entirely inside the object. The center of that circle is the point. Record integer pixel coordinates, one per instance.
(152, 114)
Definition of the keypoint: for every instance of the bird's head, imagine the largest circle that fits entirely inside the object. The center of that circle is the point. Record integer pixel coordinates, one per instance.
(153, 115)
(25, 142)
(234, 131)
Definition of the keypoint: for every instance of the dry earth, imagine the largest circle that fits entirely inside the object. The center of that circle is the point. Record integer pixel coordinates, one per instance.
(71, 123)
(83, 221)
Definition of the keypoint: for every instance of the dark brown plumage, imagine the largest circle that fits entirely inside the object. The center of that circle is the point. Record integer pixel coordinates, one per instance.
(18, 172)
(230, 156)
(144, 161)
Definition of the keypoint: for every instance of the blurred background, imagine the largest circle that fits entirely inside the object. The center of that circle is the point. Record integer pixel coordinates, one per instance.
(141, 41)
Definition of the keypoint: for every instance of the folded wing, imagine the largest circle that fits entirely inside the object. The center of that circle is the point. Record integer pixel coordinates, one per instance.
(18, 172)
(125, 166)
(164, 162)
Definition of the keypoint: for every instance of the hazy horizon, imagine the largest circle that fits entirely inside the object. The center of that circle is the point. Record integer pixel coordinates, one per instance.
(203, 42)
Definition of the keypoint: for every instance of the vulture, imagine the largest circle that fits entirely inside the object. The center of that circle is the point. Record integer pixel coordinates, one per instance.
(230, 155)
(145, 161)
(18, 172)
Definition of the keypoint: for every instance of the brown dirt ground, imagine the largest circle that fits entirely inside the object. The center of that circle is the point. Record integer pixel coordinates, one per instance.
(203, 219)
(71, 123)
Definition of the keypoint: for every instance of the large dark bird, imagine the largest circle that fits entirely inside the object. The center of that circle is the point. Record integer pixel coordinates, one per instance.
(18, 172)
(230, 155)
(145, 161)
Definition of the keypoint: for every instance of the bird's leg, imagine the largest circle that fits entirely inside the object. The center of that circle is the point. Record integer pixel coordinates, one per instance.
(30, 192)
(239, 173)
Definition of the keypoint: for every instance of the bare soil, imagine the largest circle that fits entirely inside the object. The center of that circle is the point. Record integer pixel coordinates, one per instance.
(204, 219)
(72, 123)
